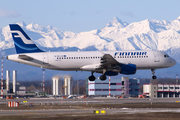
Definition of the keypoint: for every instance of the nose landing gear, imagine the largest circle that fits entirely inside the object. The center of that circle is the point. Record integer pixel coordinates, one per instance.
(153, 72)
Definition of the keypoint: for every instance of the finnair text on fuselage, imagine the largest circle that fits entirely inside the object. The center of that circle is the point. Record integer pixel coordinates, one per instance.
(129, 53)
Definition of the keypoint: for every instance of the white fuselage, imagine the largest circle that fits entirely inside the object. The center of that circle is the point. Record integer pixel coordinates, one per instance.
(89, 60)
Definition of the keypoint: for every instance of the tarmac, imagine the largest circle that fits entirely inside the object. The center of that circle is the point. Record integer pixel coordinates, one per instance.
(96, 100)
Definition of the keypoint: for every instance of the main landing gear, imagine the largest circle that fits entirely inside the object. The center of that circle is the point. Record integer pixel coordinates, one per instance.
(92, 78)
(102, 77)
(153, 71)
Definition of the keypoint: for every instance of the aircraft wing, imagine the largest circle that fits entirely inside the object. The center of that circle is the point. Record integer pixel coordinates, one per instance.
(108, 62)
(108, 59)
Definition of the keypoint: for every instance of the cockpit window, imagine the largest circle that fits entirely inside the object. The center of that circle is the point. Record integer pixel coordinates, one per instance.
(166, 56)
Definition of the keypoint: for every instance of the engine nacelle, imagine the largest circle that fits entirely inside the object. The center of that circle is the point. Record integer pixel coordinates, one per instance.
(128, 69)
(111, 73)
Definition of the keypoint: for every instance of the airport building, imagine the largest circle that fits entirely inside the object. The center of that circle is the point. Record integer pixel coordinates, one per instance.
(13, 88)
(124, 87)
(68, 85)
(56, 85)
(161, 90)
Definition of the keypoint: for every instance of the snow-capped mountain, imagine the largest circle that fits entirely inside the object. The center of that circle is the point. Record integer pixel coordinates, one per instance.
(116, 35)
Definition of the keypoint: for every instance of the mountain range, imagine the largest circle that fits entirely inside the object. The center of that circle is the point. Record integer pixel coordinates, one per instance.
(148, 34)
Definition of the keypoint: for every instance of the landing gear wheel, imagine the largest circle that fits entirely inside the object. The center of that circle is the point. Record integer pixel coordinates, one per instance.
(103, 77)
(154, 77)
(92, 78)
(153, 72)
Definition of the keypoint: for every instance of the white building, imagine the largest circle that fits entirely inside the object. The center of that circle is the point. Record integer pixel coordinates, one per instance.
(162, 90)
(14, 81)
(56, 85)
(67, 85)
(7, 80)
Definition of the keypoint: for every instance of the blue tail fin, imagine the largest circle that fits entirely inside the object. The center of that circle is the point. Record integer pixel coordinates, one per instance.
(22, 42)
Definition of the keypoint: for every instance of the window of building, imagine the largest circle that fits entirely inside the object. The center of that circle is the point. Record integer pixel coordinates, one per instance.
(154, 87)
(154, 95)
(122, 82)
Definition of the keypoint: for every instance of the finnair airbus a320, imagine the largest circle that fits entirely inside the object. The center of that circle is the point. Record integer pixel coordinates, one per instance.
(109, 63)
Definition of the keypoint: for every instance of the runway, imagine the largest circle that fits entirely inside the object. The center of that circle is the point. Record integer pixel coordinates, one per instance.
(82, 111)
(96, 100)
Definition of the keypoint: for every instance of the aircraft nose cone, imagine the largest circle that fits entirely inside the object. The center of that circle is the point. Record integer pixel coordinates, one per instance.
(173, 62)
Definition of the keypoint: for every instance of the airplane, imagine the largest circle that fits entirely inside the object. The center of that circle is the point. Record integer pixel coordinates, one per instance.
(108, 63)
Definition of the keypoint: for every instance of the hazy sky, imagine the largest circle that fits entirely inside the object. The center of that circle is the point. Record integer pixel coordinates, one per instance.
(85, 15)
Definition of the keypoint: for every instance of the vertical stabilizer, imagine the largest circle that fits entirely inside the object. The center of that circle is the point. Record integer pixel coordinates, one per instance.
(22, 41)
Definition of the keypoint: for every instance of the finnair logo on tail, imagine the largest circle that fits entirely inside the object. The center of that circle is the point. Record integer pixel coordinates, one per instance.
(23, 38)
